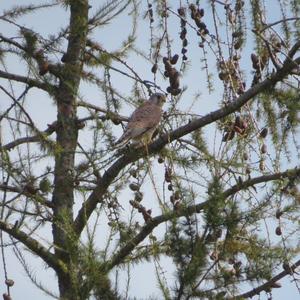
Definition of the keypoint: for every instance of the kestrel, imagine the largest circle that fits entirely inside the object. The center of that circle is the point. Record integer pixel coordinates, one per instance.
(143, 121)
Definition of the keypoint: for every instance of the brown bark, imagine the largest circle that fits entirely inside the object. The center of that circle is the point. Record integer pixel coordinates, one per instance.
(67, 134)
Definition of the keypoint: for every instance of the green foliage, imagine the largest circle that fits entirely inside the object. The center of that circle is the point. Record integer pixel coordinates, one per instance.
(196, 264)
(214, 212)
(210, 194)
(92, 271)
(258, 15)
(280, 113)
(295, 7)
(262, 259)
(31, 40)
(45, 185)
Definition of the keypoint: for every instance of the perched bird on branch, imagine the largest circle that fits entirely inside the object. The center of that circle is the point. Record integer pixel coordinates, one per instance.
(143, 122)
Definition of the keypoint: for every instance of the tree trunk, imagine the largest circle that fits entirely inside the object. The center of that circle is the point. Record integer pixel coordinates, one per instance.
(65, 241)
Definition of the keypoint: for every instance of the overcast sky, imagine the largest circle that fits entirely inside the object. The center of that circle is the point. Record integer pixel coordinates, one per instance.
(49, 21)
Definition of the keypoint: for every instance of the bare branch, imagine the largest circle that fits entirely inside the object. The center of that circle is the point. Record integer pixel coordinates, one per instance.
(294, 49)
(27, 80)
(36, 197)
(292, 173)
(34, 246)
(267, 286)
(12, 42)
(4, 114)
(278, 22)
(108, 114)
(20, 10)
(148, 228)
(30, 139)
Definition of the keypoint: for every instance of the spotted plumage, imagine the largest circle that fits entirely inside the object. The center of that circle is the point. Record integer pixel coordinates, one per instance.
(143, 121)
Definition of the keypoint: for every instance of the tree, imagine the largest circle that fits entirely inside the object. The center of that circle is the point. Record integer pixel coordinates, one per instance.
(225, 209)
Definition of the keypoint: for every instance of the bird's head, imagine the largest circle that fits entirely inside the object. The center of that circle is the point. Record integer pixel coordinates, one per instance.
(158, 99)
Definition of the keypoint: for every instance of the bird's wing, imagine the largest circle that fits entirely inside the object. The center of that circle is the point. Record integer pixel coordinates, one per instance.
(143, 118)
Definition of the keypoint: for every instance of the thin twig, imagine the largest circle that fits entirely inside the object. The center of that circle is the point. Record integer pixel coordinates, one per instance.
(267, 285)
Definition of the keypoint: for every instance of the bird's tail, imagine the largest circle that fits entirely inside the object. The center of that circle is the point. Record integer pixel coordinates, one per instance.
(123, 140)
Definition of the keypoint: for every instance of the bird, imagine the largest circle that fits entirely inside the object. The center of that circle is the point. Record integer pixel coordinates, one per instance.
(143, 122)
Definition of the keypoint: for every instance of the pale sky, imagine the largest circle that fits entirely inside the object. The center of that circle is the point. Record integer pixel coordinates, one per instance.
(43, 112)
